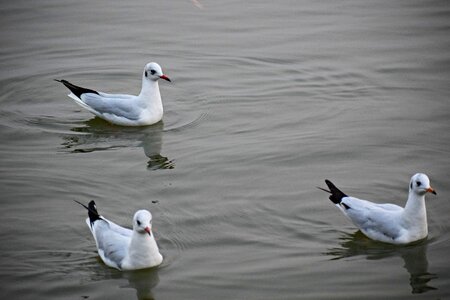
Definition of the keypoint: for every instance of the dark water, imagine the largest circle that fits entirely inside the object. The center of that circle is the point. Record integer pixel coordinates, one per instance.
(269, 98)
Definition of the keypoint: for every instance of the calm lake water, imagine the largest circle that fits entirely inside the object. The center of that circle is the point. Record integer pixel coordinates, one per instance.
(268, 99)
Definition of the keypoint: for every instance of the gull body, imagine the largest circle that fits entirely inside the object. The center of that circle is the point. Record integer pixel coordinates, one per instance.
(387, 222)
(125, 110)
(122, 248)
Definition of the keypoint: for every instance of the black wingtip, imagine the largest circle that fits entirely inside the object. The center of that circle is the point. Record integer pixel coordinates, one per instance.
(336, 194)
(81, 204)
(75, 89)
(322, 189)
(92, 211)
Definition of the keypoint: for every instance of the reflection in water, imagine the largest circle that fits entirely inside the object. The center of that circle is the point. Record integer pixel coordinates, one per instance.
(152, 144)
(98, 135)
(414, 256)
(60, 266)
(143, 281)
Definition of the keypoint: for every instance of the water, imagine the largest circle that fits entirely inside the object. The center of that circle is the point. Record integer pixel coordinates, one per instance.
(268, 99)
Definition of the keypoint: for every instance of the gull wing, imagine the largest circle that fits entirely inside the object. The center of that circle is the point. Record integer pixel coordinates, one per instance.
(112, 241)
(378, 221)
(107, 105)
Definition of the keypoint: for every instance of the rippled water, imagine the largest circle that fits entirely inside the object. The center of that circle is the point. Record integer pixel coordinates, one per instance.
(268, 99)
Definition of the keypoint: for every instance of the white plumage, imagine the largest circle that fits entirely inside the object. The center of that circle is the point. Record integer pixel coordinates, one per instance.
(388, 223)
(124, 110)
(122, 248)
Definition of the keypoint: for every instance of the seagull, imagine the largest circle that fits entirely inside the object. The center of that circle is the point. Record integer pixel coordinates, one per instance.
(124, 110)
(388, 223)
(122, 248)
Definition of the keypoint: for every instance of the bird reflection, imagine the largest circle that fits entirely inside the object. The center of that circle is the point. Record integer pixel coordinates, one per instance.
(143, 281)
(414, 257)
(98, 135)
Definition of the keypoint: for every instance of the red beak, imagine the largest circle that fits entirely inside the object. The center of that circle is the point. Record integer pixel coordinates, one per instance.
(165, 78)
(148, 230)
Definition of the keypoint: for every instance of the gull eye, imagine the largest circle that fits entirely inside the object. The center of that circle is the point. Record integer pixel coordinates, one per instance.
(138, 222)
(146, 74)
(418, 183)
(153, 72)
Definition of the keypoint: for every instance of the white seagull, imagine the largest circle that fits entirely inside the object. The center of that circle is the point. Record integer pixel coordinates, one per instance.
(122, 248)
(124, 110)
(388, 223)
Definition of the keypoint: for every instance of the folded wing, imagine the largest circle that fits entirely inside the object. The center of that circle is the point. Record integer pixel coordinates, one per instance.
(107, 105)
(112, 241)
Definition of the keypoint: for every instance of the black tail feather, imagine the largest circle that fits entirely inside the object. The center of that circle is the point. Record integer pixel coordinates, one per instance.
(336, 194)
(77, 90)
(92, 211)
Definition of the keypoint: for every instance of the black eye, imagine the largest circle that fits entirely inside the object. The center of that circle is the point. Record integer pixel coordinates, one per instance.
(418, 183)
(138, 222)
(153, 72)
(146, 74)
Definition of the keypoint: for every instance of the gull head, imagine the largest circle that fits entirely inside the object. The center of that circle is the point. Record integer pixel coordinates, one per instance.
(142, 222)
(420, 185)
(153, 72)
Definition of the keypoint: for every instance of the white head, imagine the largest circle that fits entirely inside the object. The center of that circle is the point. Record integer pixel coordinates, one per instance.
(153, 72)
(420, 184)
(142, 222)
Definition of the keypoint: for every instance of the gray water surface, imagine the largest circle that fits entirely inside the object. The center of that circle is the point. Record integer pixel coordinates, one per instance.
(268, 99)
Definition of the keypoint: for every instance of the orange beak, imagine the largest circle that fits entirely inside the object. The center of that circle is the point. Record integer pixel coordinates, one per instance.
(431, 190)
